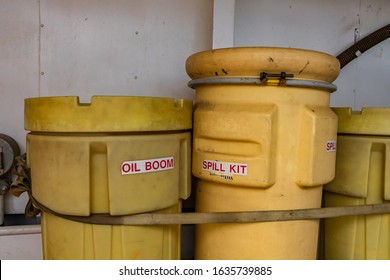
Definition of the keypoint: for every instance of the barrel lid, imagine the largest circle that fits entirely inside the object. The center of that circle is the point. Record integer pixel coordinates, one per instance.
(368, 121)
(107, 114)
(251, 61)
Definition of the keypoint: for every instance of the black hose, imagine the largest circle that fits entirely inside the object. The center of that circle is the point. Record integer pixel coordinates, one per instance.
(364, 44)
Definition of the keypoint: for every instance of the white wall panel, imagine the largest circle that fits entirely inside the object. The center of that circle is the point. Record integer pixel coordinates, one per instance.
(327, 26)
(19, 73)
(310, 24)
(373, 67)
(223, 23)
(19, 49)
(121, 47)
(94, 47)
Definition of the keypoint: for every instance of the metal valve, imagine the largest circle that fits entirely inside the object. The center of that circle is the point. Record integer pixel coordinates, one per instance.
(9, 150)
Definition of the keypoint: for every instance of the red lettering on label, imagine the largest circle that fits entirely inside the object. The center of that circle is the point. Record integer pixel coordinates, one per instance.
(159, 164)
(221, 168)
(226, 168)
(130, 167)
(126, 167)
(148, 165)
(243, 167)
(331, 146)
(237, 169)
(213, 166)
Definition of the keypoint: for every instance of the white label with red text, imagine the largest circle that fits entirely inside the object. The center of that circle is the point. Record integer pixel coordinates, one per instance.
(147, 165)
(225, 168)
(331, 146)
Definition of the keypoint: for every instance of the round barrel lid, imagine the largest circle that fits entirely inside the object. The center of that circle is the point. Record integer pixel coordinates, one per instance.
(107, 114)
(251, 61)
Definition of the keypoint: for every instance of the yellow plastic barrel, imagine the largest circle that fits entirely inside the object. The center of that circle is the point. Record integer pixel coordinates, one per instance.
(264, 138)
(362, 166)
(118, 155)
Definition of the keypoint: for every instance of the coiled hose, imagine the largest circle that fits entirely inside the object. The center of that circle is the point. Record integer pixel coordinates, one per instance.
(363, 45)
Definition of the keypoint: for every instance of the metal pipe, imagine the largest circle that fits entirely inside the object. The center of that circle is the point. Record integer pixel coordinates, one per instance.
(363, 45)
(1, 209)
(3, 189)
(20, 230)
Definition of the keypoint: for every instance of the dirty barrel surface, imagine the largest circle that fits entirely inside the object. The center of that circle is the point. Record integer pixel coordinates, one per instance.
(264, 138)
(117, 155)
(362, 163)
